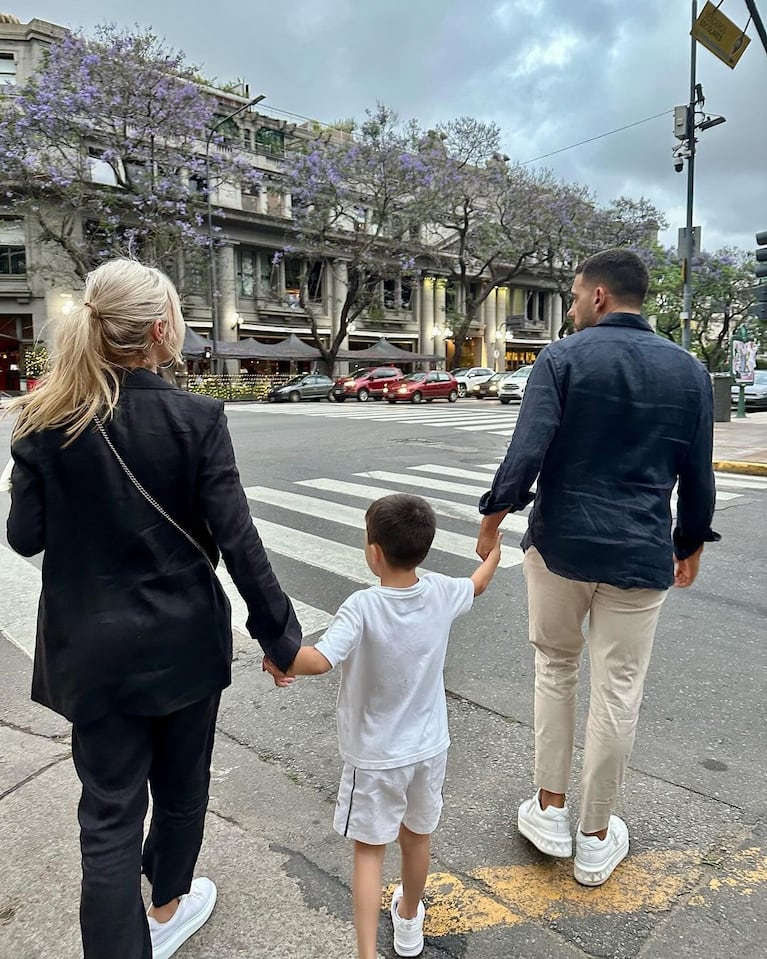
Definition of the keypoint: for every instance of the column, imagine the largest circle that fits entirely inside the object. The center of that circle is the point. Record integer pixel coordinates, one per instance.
(500, 324)
(287, 205)
(488, 319)
(262, 204)
(228, 330)
(439, 316)
(426, 315)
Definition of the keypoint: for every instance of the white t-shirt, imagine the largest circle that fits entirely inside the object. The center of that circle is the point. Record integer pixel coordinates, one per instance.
(392, 643)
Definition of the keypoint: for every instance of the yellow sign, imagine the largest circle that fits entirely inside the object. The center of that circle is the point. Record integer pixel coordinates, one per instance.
(720, 35)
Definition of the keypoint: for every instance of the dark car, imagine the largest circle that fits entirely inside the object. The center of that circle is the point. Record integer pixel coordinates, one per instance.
(308, 386)
(756, 392)
(423, 386)
(490, 389)
(362, 384)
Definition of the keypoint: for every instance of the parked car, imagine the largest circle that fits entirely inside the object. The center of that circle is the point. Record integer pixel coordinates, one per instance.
(308, 386)
(362, 384)
(756, 392)
(469, 379)
(513, 385)
(490, 388)
(423, 386)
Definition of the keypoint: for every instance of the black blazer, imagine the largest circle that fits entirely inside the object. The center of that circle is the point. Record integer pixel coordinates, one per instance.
(131, 619)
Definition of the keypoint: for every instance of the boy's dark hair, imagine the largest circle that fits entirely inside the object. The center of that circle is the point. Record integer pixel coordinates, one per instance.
(621, 271)
(403, 527)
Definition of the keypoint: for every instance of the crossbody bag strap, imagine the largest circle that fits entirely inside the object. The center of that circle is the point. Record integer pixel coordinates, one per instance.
(147, 496)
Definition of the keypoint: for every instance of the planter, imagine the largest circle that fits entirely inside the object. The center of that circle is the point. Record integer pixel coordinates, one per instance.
(31, 383)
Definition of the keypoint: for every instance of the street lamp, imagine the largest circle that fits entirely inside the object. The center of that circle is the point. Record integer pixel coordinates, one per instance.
(211, 251)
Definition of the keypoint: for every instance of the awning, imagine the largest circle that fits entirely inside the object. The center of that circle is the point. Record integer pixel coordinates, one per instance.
(384, 351)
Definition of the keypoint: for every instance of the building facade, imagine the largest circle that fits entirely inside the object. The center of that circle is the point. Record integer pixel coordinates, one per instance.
(258, 285)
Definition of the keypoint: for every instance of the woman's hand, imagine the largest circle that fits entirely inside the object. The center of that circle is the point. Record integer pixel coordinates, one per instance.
(280, 678)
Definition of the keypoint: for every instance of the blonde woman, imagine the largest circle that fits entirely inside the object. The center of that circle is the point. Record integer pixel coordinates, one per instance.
(130, 488)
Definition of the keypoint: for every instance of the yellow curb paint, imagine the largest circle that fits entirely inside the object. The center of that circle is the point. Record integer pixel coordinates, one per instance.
(650, 882)
(734, 466)
(455, 908)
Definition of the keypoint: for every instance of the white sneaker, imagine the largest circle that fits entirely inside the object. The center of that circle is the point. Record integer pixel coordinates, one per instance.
(547, 829)
(595, 859)
(408, 933)
(193, 912)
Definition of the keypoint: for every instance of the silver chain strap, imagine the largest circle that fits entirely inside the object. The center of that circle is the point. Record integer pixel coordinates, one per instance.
(147, 496)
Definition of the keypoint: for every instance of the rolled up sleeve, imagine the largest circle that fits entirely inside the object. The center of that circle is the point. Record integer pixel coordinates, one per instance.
(697, 490)
(539, 417)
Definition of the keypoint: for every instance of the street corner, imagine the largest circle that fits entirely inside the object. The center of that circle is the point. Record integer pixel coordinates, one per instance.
(745, 468)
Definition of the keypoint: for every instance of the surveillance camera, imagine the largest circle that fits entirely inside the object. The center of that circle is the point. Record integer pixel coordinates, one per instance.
(679, 163)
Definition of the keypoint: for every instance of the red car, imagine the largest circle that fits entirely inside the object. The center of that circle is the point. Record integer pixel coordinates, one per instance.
(423, 386)
(362, 384)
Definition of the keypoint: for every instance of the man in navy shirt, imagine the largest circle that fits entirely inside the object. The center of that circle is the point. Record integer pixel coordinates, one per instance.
(612, 419)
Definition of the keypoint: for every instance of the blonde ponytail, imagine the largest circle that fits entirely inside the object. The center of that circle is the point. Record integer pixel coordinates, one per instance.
(108, 333)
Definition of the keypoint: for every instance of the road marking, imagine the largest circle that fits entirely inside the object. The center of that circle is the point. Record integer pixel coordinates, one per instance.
(545, 892)
(22, 581)
(451, 471)
(747, 482)
(424, 482)
(443, 507)
(444, 541)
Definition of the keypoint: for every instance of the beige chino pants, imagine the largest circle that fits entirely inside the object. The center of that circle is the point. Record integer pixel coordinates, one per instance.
(622, 625)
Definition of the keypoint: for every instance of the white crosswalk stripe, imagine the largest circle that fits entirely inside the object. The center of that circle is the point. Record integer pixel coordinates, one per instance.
(453, 492)
(479, 419)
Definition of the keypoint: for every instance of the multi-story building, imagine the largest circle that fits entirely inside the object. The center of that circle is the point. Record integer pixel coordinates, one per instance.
(258, 290)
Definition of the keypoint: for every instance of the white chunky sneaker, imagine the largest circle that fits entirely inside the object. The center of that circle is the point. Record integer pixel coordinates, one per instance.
(547, 829)
(193, 912)
(408, 933)
(595, 859)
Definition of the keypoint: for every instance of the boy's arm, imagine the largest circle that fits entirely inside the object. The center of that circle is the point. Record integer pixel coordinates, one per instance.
(483, 574)
(309, 661)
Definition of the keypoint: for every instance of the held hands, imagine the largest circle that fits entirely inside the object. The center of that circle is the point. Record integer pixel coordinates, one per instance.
(685, 570)
(489, 540)
(280, 679)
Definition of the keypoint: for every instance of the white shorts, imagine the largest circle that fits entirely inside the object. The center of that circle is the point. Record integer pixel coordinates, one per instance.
(373, 803)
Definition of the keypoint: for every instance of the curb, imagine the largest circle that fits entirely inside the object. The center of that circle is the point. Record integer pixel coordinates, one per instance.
(733, 466)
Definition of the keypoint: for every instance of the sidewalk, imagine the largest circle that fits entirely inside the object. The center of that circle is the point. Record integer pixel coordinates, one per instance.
(740, 446)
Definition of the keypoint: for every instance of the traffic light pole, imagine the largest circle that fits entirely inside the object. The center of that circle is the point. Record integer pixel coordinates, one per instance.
(689, 238)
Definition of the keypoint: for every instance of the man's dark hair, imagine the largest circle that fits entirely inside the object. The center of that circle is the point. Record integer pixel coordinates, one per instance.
(621, 271)
(403, 526)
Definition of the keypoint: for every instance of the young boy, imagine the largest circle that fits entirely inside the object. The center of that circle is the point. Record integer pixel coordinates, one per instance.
(392, 714)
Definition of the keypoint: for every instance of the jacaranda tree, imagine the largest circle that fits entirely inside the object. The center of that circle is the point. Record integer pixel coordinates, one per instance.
(355, 214)
(103, 151)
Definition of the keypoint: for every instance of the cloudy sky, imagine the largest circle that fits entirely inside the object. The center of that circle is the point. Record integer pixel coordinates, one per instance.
(549, 72)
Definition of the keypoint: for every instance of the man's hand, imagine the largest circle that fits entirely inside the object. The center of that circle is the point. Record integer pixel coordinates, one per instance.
(488, 534)
(685, 570)
(280, 678)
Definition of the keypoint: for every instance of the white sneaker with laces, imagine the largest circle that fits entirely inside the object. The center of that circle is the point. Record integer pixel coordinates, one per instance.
(547, 829)
(193, 912)
(595, 859)
(408, 933)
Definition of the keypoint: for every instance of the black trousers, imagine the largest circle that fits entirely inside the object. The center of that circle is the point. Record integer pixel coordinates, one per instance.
(115, 758)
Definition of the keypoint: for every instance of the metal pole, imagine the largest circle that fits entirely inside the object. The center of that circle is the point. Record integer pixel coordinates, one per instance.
(690, 244)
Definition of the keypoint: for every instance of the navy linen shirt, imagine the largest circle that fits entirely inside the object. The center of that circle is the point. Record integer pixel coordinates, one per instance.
(611, 418)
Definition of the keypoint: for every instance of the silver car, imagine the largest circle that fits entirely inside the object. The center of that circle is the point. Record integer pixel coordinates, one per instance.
(756, 392)
(513, 386)
(308, 386)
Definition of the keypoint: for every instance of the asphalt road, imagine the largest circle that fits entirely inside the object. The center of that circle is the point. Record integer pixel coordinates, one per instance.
(695, 797)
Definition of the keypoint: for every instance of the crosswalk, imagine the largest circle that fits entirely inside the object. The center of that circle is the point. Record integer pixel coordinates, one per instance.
(332, 507)
(484, 417)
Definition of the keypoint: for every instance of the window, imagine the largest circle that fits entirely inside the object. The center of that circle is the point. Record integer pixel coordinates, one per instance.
(536, 304)
(314, 282)
(269, 142)
(100, 170)
(13, 259)
(247, 270)
(7, 68)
